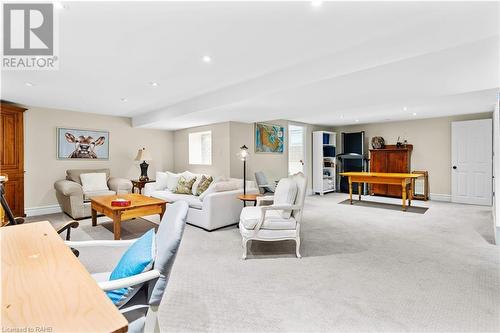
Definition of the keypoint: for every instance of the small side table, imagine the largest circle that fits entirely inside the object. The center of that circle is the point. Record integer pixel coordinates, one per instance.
(139, 184)
(249, 197)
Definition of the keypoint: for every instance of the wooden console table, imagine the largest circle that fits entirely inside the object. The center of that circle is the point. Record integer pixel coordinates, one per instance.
(401, 179)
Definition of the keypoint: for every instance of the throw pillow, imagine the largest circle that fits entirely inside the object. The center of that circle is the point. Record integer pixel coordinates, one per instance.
(138, 258)
(185, 186)
(204, 184)
(94, 182)
(197, 182)
(161, 181)
(172, 180)
(285, 194)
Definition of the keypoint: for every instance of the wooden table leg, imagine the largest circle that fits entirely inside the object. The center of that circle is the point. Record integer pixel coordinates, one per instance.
(359, 190)
(117, 224)
(94, 217)
(350, 190)
(163, 210)
(404, 189)
(412, 188)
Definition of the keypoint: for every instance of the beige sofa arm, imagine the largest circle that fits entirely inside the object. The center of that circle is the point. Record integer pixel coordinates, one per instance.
(120, 185)
(68, 188)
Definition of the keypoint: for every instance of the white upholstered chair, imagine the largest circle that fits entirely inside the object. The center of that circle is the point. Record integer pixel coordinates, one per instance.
(278, 221)
(141, 310)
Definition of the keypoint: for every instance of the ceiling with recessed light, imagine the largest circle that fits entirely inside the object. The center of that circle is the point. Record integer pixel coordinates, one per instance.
(173, 65)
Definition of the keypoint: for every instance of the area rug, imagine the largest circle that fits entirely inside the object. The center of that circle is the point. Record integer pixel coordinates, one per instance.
(384, 205)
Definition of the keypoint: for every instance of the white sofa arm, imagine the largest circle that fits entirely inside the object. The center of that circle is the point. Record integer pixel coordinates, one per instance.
(224, 208)
(120, 185)
(148, 189)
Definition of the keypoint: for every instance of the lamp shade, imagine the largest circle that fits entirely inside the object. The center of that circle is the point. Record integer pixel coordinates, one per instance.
(143, 155)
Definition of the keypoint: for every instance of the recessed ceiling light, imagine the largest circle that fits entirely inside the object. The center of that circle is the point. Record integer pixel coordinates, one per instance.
(59, 5)
(154, 84)
(123, 99)
(28, 84)
(206, 59)
(405, 108)
(341, 116)
(414, 113)
(357, 120)
(316, 3)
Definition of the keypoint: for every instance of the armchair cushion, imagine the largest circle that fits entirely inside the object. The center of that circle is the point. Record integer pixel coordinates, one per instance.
(285, 194)
(74, 174)
(89, 194)
(94, 182)
(138, 258)
(250, 217)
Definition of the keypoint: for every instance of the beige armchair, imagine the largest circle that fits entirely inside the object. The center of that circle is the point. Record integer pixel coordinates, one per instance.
(75, 202)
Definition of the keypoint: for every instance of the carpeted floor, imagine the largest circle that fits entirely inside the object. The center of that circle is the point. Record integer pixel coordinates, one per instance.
(363, 269)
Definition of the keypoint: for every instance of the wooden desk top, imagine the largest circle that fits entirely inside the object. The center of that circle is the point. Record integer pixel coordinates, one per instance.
(381, 174)
(45, 286)
(137, 200)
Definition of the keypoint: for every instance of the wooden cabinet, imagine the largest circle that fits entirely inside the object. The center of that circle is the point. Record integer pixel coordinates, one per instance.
(12, 155)
(390, 159)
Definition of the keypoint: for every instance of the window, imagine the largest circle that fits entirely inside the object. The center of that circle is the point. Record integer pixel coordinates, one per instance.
(200, 148)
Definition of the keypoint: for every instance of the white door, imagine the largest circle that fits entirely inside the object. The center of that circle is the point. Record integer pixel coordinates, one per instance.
(472, 162)
(296, 149)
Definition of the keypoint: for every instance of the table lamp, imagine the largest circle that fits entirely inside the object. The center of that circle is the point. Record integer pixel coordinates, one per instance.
(143, 155)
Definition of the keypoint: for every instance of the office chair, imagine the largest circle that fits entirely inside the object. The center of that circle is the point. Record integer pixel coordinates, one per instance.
(19, 220)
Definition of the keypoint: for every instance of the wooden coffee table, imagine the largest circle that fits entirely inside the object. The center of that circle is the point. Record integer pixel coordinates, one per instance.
(141, 206)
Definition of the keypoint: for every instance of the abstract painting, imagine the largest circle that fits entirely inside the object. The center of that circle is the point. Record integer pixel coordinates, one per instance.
(269, 138)
(82, 144)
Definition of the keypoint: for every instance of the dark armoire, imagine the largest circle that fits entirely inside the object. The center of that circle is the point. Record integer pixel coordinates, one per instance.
(391, 159)
(12, 155)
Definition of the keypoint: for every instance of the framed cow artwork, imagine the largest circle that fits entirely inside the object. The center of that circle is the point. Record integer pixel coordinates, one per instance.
(82, 144)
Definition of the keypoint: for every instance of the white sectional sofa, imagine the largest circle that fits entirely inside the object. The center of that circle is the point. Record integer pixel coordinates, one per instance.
(214, 210)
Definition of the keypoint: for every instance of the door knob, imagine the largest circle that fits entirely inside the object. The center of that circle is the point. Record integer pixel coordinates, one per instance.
(454, 167)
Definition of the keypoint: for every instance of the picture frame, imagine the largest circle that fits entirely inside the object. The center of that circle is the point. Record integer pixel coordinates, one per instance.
(269, 138)
(82, 144)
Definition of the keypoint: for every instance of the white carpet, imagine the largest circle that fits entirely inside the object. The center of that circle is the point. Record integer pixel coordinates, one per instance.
(363, 269)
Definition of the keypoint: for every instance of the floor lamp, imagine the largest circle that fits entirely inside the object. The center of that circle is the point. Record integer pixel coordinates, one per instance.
(244, 156)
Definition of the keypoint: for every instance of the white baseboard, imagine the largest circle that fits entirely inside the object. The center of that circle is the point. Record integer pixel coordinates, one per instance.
(440, 197)
(43, 210)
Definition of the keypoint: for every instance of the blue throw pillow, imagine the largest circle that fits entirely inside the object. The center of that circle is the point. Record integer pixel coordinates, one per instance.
(138, 258)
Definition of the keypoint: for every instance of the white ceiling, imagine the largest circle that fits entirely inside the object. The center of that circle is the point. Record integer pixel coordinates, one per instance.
(334, 65)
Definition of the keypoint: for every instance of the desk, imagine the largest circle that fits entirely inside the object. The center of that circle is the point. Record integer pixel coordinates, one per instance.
(403, 179)
(46, 288)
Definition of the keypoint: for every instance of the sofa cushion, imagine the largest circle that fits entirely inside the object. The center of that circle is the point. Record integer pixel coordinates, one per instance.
(172, 180)
(94, 182)
(193, 201)
(197, 182)
(74, 174)
(185, 186)
(89, 194)
(161, 180)
(223, 186)
(250, 217)
(285, 194)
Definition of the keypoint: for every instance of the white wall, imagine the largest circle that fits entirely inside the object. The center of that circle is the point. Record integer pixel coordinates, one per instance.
(431, 140)
(227, 138)
(43, 168)
(496, 169)
(220, 150)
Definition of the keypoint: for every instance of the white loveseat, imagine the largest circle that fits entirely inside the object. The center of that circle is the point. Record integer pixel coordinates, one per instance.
(214, 210)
